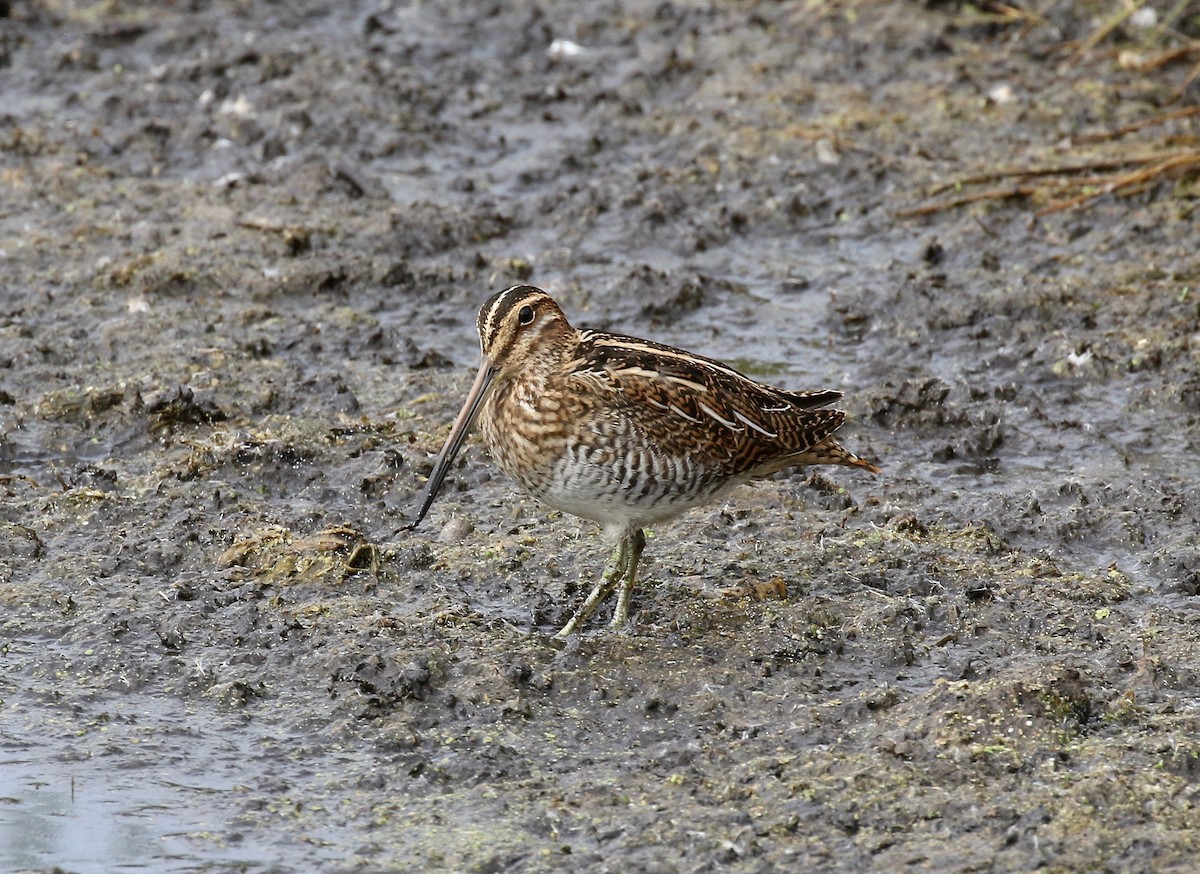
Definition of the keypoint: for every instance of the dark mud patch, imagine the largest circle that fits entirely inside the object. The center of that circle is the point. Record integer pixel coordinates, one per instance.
(242, 250)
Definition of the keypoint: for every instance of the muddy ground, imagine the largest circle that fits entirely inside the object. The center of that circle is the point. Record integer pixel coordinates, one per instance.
(241, 250)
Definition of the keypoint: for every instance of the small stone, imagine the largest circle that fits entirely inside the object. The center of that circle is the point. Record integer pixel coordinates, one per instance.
(455, 530)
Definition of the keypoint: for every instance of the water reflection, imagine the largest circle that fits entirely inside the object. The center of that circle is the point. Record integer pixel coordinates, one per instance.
(97, 824)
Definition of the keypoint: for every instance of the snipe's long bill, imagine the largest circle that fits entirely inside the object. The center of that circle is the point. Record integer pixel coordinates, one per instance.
(624, 431)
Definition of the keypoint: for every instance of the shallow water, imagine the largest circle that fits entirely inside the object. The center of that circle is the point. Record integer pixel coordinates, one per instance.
(111, 822)
(121, 811)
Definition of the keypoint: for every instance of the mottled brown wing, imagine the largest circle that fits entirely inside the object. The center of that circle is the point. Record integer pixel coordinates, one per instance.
(702, 409)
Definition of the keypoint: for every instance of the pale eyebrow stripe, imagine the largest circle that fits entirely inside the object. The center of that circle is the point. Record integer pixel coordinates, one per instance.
(488, 321)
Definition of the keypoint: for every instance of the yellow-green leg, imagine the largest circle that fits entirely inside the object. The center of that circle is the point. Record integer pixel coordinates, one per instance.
(621, 613)
(622, 570)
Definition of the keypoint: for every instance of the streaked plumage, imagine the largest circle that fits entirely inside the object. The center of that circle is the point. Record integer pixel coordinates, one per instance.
(624, 431)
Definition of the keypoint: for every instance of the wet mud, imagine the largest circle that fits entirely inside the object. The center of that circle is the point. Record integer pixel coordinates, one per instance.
(242, 247)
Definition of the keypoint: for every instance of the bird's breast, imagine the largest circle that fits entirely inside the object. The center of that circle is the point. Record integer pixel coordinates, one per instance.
(592, 461)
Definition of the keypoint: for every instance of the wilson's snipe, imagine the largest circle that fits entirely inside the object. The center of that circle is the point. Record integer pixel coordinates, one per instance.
(624, 431)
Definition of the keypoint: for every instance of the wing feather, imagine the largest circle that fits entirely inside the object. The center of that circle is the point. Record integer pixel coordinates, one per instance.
(698, 407)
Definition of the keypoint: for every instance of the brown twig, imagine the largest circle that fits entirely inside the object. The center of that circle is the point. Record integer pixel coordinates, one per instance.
(1141, 176)
(1033, 172)
(1167, 57)
(1005, 193)
(1104, 30)
(1148, 168)
(1000, 13)
(1161, 118)
(1191, 77)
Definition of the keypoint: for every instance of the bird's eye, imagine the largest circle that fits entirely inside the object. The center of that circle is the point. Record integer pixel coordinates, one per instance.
(525, 316)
